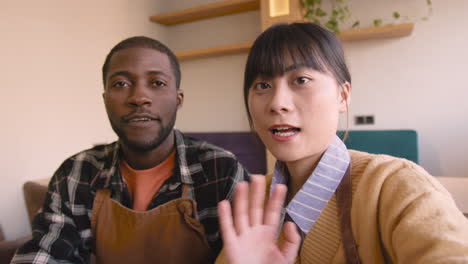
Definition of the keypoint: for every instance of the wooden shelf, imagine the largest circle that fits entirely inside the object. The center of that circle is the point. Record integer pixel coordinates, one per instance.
(391, 31)
(206, 11)
(215, 51)
(383, 32)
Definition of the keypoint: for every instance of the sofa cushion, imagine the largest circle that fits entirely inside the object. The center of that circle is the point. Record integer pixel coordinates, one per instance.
(34, 196)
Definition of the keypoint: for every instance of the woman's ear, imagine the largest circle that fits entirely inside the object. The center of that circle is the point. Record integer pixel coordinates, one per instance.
(344, 97)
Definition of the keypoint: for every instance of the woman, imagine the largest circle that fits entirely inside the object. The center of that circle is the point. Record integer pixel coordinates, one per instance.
(347, 206)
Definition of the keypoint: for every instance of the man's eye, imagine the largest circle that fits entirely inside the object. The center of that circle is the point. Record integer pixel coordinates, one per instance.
(261, 86)
(158, 83)
(120, 84)
(302, 80)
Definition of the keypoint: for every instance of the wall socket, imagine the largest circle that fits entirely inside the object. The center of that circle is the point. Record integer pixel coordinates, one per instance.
(364, 120)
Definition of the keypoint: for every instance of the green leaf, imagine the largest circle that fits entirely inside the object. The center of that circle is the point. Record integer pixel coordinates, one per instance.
(309, 15)
(320, 12)
(429, 2)
(396, 15)
(356, 24)
(377, 22)
(340, 10)
(333, 25)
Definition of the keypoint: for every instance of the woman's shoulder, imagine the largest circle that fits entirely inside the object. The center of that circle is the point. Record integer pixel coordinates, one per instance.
(363, 162)
(378, 171)
(364, 159)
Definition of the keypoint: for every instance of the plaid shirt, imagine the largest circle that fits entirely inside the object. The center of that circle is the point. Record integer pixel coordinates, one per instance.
(62, 231)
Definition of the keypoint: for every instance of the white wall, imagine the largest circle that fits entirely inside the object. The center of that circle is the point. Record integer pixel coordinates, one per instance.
(51, 53)
(416, 82)
(213, 86)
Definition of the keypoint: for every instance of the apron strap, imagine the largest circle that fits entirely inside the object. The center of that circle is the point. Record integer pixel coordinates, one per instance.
(101, 195)
(344, 199)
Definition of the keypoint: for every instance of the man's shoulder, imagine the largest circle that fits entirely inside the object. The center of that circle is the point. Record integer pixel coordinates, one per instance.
(94, 158)
(101, 152)
(203, 148)
(211, 159)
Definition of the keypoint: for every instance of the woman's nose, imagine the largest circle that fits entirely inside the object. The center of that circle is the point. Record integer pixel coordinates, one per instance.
(281, 100)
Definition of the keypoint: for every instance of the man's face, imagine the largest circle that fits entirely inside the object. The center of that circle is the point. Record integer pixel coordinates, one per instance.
(141, 98)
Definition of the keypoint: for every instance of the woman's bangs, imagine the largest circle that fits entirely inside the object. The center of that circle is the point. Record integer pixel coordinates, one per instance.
(277, 56)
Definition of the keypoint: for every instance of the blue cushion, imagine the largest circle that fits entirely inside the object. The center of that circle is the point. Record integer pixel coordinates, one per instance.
(398, 143)
(247, 147)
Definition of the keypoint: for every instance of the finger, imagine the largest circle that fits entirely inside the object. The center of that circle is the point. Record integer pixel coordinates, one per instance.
(228, 233)
(257, 199)
(275, 205)
(292, 240)
(241, 205)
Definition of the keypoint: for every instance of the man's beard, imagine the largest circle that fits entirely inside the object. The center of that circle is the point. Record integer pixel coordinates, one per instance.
(145, 146)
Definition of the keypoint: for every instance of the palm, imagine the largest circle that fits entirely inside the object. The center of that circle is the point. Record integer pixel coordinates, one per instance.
(250, 236)
(261, 244)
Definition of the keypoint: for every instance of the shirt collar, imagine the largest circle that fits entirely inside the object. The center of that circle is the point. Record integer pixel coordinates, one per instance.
(187, 165)
(309, 201)
(108, 172)
(185, 157)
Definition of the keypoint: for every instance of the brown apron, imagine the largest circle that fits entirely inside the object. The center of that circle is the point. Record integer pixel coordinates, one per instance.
(169, 233)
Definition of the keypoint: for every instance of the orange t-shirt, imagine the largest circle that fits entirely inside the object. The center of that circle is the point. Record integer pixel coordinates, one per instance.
(144, 184)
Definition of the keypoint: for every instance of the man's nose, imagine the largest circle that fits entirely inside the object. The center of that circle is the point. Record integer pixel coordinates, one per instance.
(140, 96)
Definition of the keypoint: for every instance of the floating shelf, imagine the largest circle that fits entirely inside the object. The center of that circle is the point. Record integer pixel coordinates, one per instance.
(206, 11)
(383, 32)
(390, 31)
(215, 51)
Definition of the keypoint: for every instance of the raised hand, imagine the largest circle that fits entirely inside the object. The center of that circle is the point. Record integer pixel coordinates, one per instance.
(250, 235)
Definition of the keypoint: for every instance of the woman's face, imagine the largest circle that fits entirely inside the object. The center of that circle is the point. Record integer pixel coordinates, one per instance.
(296, 114)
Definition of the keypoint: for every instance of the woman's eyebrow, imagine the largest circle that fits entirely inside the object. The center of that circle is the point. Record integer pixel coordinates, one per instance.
(295, 66)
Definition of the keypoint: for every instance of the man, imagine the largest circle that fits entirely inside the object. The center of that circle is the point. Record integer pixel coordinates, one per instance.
(151, 196)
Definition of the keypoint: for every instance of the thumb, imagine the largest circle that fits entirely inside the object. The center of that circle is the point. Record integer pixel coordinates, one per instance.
(292, 240)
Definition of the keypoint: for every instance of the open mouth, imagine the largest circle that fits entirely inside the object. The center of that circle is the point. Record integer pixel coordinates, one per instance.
(285, 131)
(140, 119)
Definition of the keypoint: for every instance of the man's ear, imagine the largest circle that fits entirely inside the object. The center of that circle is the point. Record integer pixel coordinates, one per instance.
(344, 97)
(180, 98)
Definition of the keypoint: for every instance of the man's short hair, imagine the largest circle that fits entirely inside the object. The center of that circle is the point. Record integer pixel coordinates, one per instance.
(143, 42)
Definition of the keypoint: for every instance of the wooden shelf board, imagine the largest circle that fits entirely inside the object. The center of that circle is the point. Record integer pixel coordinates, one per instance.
(206, 11)
(391, 31)
(215, 51)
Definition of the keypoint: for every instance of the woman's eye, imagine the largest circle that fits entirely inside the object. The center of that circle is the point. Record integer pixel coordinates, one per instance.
(261, 86)
(302, 80)
(158, 83)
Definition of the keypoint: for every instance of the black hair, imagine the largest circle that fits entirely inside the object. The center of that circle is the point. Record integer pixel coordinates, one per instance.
(305, 44)
(143, 42)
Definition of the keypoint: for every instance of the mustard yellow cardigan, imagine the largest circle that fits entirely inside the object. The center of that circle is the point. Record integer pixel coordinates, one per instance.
(399, 214)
